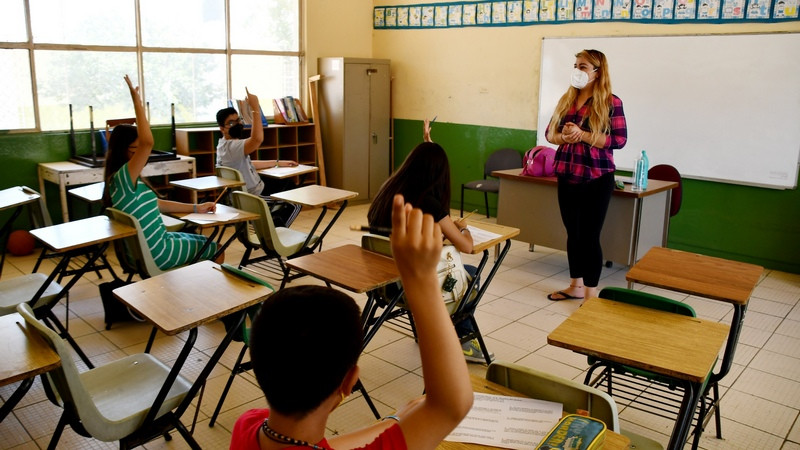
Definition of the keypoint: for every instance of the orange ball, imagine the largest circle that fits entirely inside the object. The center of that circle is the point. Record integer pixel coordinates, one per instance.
(20, 243)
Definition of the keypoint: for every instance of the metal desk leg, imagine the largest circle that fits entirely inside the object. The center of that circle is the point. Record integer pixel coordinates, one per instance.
(684, 420)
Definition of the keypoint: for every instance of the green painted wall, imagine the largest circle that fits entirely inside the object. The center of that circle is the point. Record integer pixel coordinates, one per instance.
(756, 225)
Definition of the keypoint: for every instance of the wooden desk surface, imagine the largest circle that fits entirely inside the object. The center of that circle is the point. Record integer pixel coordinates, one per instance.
(350, 267)
(16, 196)
(241, 216)
(82, 233)
(208, 183)
(674, 345)
(286, 172)
(314, 195)
(23, 352)
(90, 193)
(653, 186)
(613, 441)
(504, 232)
(706, 276)
(190, 296)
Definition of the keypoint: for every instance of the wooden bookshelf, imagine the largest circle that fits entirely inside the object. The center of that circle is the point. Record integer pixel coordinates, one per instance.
(291, 142)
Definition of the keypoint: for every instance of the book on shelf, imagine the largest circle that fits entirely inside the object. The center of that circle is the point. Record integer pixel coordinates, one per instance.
(288, 110)
(246, 113)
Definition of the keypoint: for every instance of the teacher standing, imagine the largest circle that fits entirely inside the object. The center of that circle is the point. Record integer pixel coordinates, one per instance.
(588, 125)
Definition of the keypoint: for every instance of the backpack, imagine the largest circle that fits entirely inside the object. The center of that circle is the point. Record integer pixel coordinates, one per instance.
(540, 161)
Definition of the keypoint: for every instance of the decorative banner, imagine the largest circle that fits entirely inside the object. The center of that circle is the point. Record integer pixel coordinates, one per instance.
(533, 12)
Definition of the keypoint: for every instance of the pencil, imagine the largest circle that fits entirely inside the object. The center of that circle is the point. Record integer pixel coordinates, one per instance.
(223, 193)
(469, 215)
(434, 120)
(369, 229)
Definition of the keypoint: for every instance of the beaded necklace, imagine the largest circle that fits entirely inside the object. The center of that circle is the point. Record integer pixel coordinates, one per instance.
(278, 437)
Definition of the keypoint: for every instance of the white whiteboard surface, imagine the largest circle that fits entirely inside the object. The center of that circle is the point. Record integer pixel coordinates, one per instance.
(717, 107)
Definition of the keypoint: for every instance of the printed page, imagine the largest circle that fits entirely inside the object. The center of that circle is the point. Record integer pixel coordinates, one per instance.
(480, 235)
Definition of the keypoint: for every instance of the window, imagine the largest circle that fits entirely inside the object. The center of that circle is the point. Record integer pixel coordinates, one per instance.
(79, 50)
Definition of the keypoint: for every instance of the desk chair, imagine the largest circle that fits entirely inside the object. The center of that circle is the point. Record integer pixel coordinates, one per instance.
(461, 312)
(637, 380)
(283, 213)
(278, 243)
(110, 402)
(505, 158)
(665, 172)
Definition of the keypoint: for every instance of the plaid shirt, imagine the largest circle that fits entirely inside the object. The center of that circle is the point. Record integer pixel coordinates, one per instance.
(580, 162)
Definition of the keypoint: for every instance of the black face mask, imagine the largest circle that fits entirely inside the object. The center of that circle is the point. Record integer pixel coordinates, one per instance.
(236, 131)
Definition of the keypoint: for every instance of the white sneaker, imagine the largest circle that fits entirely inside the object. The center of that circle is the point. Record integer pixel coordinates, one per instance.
(473, 353)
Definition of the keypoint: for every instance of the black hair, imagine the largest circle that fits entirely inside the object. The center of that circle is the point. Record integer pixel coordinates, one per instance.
(425, 174)
(223, 114)
(117, 155)
(303, 342)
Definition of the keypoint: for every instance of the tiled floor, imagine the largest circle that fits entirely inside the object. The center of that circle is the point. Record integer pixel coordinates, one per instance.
(761, 395)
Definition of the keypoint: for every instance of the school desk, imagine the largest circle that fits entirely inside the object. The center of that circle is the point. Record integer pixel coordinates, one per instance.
(93, 193)
(232, 216)
(24, 354)
(87, 238)
(68, 173)
(13, 197)
(681, 348)
(315, 196)
(613, 441)
(635, 221)
(288, 171)
(204, 184)
(704, 276)
(181, 300)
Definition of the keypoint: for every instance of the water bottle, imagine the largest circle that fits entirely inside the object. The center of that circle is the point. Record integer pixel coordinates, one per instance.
(635, 176)
(642, 166)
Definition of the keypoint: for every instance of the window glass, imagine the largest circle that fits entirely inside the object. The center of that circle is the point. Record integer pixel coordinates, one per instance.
(83, 79)
(195, 82)
(88, 22)
(183, 23)
(16, 100)
(265, 25)
(268, 77)
(12, 21)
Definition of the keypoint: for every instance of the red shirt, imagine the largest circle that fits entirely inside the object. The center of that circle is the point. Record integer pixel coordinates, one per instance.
(246, 429)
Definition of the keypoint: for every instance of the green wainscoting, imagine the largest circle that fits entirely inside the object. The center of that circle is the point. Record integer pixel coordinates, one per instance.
(750, 224)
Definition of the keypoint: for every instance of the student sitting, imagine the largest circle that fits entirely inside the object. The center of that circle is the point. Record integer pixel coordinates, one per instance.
(304, 380)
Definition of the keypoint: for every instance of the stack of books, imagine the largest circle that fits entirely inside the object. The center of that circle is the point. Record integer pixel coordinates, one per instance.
(288, 110)
(246, 113)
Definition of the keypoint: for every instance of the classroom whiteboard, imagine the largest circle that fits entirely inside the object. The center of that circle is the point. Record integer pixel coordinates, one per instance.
(717, 107)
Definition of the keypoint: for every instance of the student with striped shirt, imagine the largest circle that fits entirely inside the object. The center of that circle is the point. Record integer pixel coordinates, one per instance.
(128, 151)
(588, 124)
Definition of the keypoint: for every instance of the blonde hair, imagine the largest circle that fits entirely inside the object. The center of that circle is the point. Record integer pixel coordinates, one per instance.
(599, 117)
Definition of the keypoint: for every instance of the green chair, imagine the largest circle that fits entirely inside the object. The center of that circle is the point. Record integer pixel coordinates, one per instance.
(278, 243)
(110, 402)
(643, 378)
(133, 253)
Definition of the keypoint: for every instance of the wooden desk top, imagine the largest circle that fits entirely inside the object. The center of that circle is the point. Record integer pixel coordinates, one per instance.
(242, 216)
(613, 441)
(670, 344)
(706, 276)
(82, 233)
(314, 195)
(24, 353)
(653, 186)
(286, 172)
(505, 233)
(16, 196)
(208, 183)
(184, 298)
(350, 267)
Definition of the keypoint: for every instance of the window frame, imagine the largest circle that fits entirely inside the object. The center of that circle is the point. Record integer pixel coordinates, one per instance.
(140, 50)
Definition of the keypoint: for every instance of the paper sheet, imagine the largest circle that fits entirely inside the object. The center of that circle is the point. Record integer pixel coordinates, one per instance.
(480, 235)
(209, 217)
(507, 422)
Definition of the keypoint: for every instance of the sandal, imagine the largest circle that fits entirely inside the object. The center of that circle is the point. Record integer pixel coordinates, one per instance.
(564, 296)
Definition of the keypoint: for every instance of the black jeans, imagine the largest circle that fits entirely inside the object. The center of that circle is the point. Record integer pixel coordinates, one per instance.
(583, 211)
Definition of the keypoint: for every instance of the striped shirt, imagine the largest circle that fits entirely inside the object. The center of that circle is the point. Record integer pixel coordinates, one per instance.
(169, 249)
(580, 162)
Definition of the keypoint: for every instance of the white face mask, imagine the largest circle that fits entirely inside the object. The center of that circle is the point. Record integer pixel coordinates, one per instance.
(579, 79)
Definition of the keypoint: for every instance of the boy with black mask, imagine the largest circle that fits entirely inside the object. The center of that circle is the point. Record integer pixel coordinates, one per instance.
(233, 151)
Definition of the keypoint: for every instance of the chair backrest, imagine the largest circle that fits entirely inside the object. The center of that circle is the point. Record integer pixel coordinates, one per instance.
(549, 387)
(111, 123)
(647, 300)
(665, 172)
(65, 379)
(264, 227)
(505, 158)
(133, 252)
(229, 173)
(38, 213)
(376, 243)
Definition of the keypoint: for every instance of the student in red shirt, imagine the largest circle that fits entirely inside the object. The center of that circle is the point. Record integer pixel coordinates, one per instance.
(305, 343)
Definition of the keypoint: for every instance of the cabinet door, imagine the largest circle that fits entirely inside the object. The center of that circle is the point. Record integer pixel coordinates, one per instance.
(379, 145)
(356, 151)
